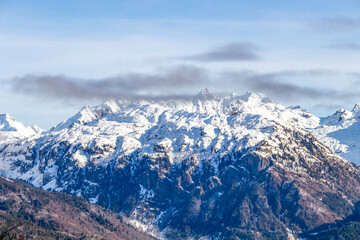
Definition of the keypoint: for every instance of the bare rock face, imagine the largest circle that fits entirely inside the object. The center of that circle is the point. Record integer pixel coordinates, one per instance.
(233, 167)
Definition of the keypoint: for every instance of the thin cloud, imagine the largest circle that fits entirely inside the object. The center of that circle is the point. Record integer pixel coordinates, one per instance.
(345, 46)
(337, 24)
(327, 106)
(231, 52)
(276, 84)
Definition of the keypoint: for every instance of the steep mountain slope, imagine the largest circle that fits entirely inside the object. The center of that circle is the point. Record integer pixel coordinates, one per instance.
(45, 215)
(11, 130)
(223, 167)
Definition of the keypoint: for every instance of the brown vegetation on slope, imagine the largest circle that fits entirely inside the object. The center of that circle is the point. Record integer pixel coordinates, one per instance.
(47, 215)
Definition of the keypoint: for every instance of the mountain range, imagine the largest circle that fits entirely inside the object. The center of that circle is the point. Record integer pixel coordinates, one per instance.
(239, 166)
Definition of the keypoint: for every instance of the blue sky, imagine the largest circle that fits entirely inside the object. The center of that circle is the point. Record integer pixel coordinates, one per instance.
(296, 52)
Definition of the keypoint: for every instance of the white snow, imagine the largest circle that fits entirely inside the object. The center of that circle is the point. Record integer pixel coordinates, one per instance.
(205, 125)
(11, 130)
(341, 132)
(79, 158)
(95, 199)
(202, 128)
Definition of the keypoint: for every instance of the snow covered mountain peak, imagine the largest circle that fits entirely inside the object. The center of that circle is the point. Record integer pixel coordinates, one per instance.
(206, 125)
(256, 98)
(341, 132)
(206, 94)
(12, 130)
(206, 104)
(337, 117)
(7, 122)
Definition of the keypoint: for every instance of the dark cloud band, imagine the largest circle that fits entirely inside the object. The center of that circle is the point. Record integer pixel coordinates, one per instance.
(230, 52)
(336, 24)
(133, 85)
(182, 82)
(351, 46)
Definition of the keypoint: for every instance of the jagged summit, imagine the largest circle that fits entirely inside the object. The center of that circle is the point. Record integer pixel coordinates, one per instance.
(11, 130)
(8, 123)
(342, 114)
(341, 132)
(205, 105)
(356, 108)
(205, 91)
(256, 97)
(206, 94)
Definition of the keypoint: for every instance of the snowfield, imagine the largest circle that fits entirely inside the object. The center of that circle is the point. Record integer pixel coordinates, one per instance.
(205, 126)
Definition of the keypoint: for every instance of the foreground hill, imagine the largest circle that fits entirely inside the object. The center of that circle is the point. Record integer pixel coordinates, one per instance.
(45, 215)
(232, 167)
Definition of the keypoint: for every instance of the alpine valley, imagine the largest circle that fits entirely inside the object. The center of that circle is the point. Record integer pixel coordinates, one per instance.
(234, 167)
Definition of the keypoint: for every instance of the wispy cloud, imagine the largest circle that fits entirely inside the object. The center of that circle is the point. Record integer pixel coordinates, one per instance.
(328, 106)
(350, 46)
(240, 51)
(277, 84)
(336, 24)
